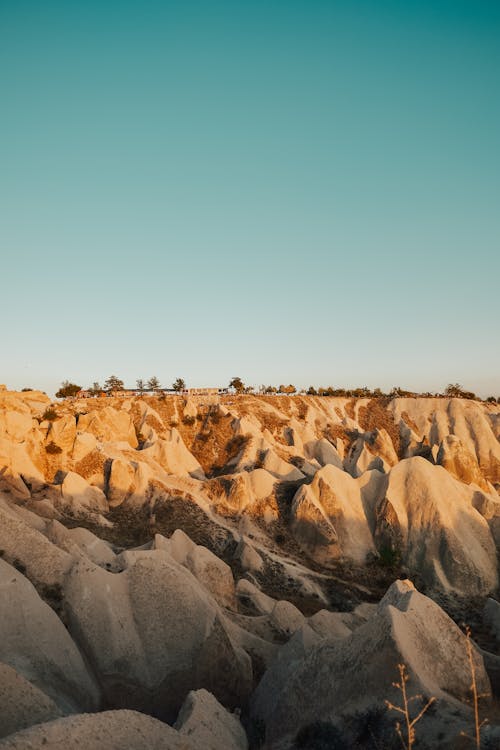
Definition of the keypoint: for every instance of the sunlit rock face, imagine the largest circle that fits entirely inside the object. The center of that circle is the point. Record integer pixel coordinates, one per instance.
(186, 560)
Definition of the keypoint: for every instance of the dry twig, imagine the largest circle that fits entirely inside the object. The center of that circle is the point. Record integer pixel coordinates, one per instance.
(478, 724)
(406, 733)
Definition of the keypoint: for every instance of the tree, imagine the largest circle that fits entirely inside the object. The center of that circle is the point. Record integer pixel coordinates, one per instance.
(68, 389)
(96, 388)
(179, 385)
(289, 389)
(237, 384)
(311, 391)
(113, 383)
(455, 390)
(140, 385)
(154, 384)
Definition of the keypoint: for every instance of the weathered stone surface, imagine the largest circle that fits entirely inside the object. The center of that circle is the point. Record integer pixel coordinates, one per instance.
(21, 703)
(43, 562)
(208, 725)
(152, 634)
(34, 642)
(331, 678)
(329, 518)
(428, 516)
(109, 730)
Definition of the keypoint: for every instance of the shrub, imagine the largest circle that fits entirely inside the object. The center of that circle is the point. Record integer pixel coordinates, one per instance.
(68, 389)
(389, 557)
(188, 420)
(235, 444)
(50, 415)
(53, 448)
(320, 735)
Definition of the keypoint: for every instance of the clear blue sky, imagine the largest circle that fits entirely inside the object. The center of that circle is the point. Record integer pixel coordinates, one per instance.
(293, 191)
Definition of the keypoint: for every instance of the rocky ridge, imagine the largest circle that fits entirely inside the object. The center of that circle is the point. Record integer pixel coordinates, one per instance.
(193, 559)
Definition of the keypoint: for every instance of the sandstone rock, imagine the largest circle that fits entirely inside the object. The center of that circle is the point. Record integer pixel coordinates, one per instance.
(96, 549)
(460, 462)
(109, 424)
(34, 642)
(17, 468)
(84, 444)
(109, 730)
(212, 572)
(334, 678)
(360, 459)
(62, 432)
(43, 562)
(208, 725)
(251, 596)
(286, 618)
(80, 496)
(21, 703)
(123, 480)
(248, 556)
(280, 469)
(324, 452)
(428, 516)
(174, 457)
(329, 519)
(330, 624)
(248, 491)
(492, 617)
(152, 634)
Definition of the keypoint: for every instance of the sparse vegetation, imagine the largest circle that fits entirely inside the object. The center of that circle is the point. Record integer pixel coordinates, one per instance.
(50, 415)
(154, 384)
(478, 723)
(68, 389)
(236, 444)
(406, 730)
(389, 557)
(237, 384)
(320, 735)
(455, 390)
(113, 383)
(179, 385)
(188, 420)
(288, 389)
(53, 448)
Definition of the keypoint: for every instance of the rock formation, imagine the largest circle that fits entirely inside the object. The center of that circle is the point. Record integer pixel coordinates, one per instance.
(167, 565)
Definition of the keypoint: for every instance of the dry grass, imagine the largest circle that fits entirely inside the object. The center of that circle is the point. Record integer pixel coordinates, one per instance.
(376, 416)
(92, 463)
(406, 729)
(478, 724)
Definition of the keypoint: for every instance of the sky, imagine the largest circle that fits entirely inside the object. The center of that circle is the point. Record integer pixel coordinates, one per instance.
(287, 191)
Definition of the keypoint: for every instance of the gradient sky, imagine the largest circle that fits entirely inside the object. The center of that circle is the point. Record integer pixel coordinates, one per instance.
(293, 191)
